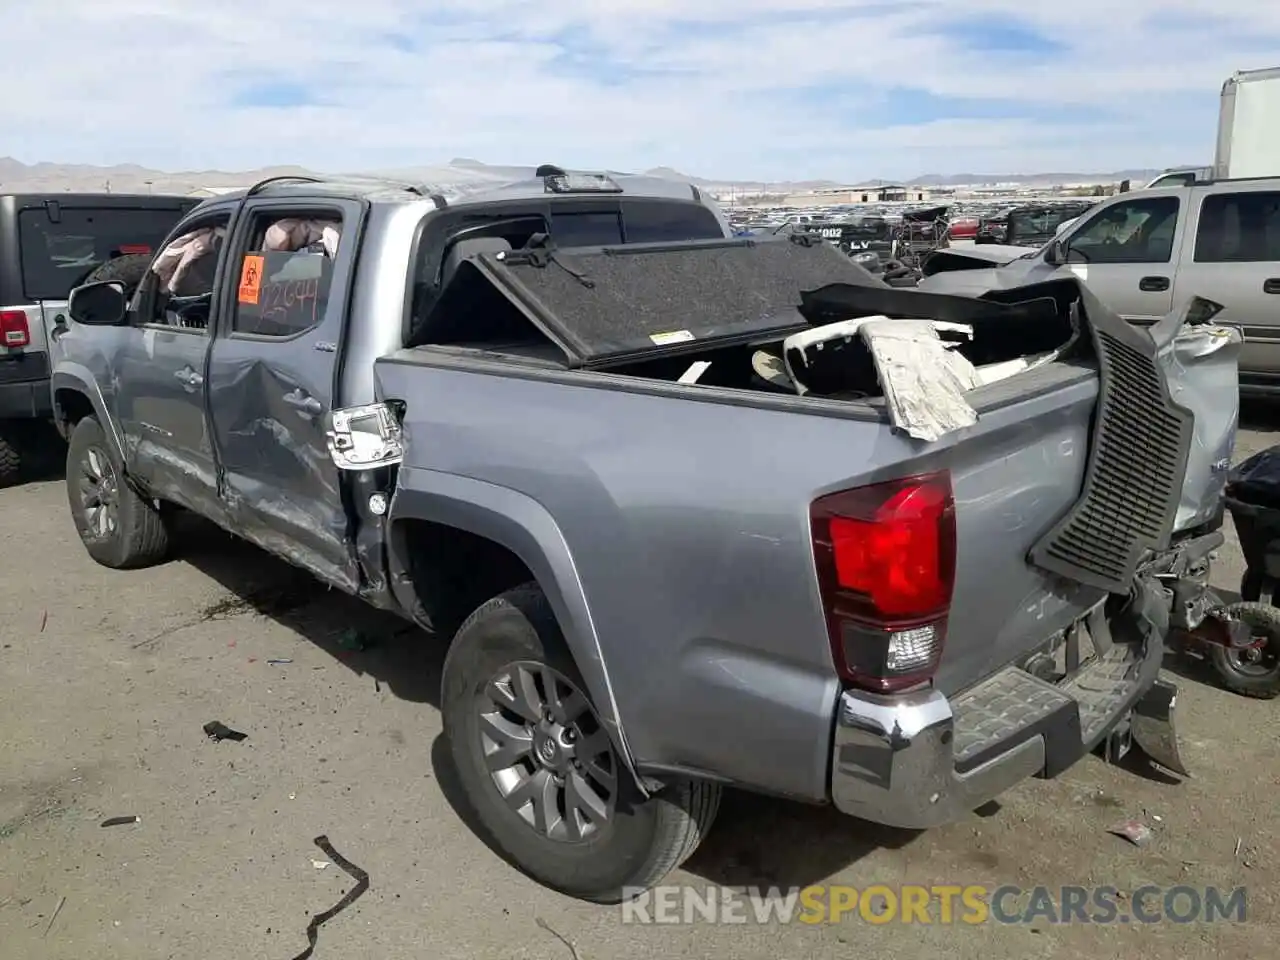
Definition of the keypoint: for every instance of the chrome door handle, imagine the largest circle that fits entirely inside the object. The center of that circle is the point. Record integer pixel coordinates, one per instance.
(304, 404)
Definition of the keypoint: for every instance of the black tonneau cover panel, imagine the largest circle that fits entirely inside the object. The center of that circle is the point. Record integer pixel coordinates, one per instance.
(612, 304)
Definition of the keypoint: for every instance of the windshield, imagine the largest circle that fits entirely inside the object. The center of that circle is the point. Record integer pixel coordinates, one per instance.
(58, 256)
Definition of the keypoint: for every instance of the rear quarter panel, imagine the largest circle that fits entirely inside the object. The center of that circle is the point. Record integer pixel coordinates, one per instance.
(689, 530)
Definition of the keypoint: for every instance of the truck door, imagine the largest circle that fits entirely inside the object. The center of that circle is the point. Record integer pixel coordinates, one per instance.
(272, 380)
(160, 400)
(1235, 261)
(1126, 254)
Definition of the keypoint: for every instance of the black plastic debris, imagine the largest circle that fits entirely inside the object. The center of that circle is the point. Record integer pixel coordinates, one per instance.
(355, 893)
(218, 731)
(120, 821)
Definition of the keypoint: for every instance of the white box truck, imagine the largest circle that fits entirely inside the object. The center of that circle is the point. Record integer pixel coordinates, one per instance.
(1249, 126)
(1248, 132)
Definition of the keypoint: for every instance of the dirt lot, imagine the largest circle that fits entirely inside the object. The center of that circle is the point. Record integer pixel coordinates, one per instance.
(107, 679)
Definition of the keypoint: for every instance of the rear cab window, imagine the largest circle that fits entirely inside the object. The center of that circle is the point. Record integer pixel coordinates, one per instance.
(567, 224)
(58, 250)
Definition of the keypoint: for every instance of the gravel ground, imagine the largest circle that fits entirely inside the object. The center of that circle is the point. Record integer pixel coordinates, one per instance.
(108, 678)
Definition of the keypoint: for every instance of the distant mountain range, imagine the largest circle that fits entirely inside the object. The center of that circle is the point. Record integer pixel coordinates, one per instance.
(461, 172)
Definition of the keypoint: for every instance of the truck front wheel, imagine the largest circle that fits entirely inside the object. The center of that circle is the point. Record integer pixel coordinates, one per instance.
(118, 527)
(540, 773)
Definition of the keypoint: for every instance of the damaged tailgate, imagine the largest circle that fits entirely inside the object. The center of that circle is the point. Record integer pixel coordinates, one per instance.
(1068, 476)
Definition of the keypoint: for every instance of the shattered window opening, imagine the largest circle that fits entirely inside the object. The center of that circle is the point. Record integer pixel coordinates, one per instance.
(286, 273)
(178, 292)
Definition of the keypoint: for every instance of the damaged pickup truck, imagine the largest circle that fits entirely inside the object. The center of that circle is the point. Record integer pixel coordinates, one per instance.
(690, 511)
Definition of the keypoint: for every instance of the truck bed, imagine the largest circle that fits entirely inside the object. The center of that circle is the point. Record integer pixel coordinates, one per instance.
(685, 509)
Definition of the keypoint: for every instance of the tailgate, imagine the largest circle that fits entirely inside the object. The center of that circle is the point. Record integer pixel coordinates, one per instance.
(1058, 496)
(1014, 474)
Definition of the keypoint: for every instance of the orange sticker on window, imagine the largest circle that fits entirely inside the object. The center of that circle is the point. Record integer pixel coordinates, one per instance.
(251, 278)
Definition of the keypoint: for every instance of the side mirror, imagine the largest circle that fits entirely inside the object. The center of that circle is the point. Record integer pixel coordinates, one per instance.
(101, 304)
(1056, 254)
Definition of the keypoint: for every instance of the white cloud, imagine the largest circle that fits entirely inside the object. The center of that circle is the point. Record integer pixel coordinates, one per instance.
(765, 89)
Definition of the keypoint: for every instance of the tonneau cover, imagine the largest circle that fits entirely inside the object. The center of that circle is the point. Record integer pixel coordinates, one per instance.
(606, 305)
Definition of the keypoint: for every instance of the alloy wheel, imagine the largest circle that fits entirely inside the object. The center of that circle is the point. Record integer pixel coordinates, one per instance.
(99, 490)
(546, 752)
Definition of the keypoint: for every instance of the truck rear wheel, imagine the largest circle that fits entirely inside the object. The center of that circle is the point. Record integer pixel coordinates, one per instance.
(118, 528)
(540, 773)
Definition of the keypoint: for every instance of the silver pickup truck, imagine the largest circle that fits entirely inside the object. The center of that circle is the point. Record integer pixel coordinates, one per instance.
(685, 515)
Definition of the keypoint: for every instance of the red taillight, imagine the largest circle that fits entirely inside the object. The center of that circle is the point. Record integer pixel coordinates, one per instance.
(128, 248)
(886, 556)
(14, 331)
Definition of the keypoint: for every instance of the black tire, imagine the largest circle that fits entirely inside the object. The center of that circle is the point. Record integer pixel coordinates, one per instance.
(1260, 680)
(10, 464)
(1252, 584)
(138, 536)
(128, 269)
(643, 840)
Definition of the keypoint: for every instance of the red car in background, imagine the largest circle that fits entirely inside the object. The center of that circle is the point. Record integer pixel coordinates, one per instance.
(963, 228)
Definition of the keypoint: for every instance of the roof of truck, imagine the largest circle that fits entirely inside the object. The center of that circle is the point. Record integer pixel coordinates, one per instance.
(379, 190)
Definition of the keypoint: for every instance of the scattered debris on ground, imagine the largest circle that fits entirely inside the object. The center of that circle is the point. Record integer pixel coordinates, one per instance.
(355, 893)
(57, 910)
(352, 639)
(120, 821)
(559, 936)
(1135, 831)
(218, 731)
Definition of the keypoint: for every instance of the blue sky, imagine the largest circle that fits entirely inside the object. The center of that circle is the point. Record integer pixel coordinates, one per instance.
(744, 89)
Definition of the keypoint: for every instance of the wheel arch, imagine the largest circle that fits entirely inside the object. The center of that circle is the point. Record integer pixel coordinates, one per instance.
(509, 539)
(76, 396)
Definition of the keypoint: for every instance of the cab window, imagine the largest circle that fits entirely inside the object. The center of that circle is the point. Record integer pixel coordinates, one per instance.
(178, 290)
(1239, 228)
(286, 274)
(1135, 231)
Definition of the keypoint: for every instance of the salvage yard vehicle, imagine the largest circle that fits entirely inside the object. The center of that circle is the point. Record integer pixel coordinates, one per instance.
(50, 243)
(1030, 225)
(1144, 252)
(666, 493)
(919, 233)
